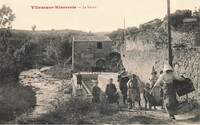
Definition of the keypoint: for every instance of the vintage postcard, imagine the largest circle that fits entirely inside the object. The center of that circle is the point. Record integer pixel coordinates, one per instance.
(99, 61)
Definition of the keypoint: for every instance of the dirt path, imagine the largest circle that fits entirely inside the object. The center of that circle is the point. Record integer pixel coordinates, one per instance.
(134, 116)
(48, 90)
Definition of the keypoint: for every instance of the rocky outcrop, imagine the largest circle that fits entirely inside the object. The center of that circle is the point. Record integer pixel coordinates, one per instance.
(149, 48)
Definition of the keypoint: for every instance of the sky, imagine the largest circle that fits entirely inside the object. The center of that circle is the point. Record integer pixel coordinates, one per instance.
(105, 16)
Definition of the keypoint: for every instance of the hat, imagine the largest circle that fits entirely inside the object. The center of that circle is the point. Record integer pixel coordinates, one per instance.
(153, 72)
(167, 67)
(111, 79)
(134, 75)
(123, 73)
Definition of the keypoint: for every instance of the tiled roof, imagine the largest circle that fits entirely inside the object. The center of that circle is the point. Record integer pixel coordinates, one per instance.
(91, 38)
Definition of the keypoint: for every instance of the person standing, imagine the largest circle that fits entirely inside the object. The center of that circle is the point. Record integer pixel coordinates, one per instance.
(153, 78)
(133, 93)
(79, 79)
(170, 100)
(111, 92)
(123, 79)
(148, 98)
(96, 92)
(71, 75)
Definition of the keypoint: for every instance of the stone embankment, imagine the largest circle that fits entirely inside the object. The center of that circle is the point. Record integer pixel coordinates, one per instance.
(141, 54)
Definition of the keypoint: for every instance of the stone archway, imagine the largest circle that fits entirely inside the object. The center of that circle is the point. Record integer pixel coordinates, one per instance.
(114, 62)
(101, 63)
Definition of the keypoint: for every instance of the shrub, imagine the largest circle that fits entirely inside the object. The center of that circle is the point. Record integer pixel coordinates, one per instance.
(15, 100)
(75, 111)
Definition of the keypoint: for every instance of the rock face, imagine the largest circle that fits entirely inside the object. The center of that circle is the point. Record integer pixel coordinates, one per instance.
(148, 49)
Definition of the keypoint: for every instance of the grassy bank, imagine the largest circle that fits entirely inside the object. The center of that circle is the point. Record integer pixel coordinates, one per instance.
(59, 71)
(14, 100)
(74, 111)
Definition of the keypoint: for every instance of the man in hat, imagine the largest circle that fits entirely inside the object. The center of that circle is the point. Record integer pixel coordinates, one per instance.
(123, 79)
(170, 101)
(96, 92)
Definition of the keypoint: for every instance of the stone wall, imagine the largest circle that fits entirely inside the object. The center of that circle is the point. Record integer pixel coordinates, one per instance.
(141, 56)
(86, 53)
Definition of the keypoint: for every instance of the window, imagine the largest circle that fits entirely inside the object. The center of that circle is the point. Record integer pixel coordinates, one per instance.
(99, 45)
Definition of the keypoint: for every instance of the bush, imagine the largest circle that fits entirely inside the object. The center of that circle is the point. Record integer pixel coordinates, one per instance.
(15, 100)
(74, 111)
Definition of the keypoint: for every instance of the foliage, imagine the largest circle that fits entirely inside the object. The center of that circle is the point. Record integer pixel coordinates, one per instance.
(176, 18)
(196, 14)
(7, 50)
(58, 47)
(74, 111)
(33, 28)
(114, 61)
(6, 16)
(151, 25)
(59, 72)
(14, 100)
(132, 30)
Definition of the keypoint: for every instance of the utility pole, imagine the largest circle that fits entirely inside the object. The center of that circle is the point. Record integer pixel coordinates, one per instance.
(124, 34)
(169, 34)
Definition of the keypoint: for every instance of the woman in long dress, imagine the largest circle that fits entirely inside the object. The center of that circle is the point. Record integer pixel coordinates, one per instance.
(111, 92)
(133, 93)
(170, 101)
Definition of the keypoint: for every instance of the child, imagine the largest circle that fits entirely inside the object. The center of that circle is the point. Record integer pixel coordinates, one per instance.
(148, 98)
(96, 92)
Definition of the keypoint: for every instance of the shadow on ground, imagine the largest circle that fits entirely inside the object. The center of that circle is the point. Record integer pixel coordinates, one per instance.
(145, 120)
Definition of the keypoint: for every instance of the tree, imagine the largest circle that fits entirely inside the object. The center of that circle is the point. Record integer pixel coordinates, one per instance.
(196, 14)
(177, 17)
(6, 17)
(33, 28)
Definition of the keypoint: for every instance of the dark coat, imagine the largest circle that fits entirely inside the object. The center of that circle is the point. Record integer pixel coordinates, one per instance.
(111, 93)
(123, 84)
(96, 92)
(79, 79)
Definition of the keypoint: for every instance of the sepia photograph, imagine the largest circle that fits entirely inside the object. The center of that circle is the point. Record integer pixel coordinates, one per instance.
(100, 62)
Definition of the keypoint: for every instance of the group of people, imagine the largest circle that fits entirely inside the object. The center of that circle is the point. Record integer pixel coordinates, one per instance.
(110, 91)
(130, 89)
(160, 90)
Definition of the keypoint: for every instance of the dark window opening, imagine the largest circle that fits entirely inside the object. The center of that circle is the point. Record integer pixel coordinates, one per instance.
(99, 45)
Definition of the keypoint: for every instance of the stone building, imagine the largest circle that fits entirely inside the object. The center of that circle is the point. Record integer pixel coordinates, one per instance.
(88, 51)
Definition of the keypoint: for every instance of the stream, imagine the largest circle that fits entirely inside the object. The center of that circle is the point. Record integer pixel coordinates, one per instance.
(48, 91)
